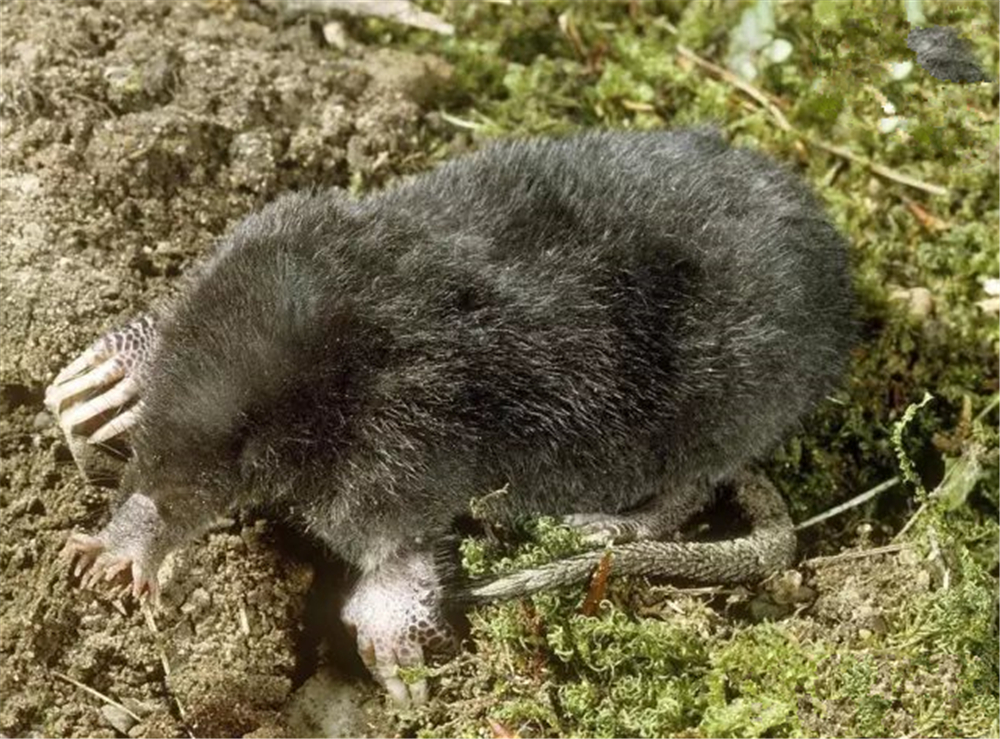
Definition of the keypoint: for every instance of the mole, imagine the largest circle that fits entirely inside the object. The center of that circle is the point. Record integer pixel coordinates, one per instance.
(612, 326)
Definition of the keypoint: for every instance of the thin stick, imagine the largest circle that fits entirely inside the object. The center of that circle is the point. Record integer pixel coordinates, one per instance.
(847, 505)
(96, 694)
(843, 556)
(994, 402)
(705, 590)
(726, 76)
(459, 122)
(766, 101)
(147, 612)
(879, 169)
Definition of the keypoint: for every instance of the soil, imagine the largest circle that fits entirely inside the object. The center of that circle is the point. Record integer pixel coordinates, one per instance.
(134, 134)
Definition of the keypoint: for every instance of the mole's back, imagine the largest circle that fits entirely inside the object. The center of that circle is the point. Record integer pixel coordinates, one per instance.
(654, 290)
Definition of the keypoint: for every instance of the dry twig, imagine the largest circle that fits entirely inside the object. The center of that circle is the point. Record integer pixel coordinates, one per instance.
(770, 104)
(847, 505)
(97, 694)
(857, 554)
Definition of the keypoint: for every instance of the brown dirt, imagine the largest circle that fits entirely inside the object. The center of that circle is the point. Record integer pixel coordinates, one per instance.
(133, 134)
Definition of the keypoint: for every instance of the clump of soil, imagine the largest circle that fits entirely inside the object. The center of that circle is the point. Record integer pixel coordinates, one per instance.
(134, 134)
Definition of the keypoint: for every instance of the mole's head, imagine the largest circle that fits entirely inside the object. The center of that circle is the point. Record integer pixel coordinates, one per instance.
(256, 377)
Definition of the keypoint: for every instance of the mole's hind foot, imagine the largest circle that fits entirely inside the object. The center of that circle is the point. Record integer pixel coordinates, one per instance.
(103, 381)
(657, 519)
(600, 529)
(395, 613)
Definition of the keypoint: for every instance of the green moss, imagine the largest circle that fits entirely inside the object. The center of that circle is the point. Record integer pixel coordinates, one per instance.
(925, 662)
(543, 540)
(756, 681)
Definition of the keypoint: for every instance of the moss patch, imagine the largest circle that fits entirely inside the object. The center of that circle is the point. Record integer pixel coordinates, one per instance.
(902, 643)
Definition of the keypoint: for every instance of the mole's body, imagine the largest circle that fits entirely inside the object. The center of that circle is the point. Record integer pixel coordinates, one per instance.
(608, 324)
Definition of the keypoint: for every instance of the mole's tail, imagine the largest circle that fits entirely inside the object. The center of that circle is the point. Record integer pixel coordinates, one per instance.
(768, 548)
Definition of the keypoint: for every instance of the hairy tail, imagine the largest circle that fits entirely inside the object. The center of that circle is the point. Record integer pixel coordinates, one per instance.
(768, 548)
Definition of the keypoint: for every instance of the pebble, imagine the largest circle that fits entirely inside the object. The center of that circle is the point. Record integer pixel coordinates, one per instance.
(919, 300)
(118, 717)
(139, 708)
(198, 601)
(335, 35)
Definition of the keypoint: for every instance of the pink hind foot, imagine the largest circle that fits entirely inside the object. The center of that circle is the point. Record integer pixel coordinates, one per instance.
(395, 613)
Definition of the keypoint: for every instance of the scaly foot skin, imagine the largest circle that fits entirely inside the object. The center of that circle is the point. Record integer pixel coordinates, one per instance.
(600, 529)
(395, 613)
(656, 520)
(102, 380)
(124, 553)
(95, 562)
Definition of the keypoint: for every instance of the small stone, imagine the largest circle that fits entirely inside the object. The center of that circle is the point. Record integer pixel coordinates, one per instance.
(118, 717)
(889, 123)
(335, 35)
(919, 300)
(907, 557)
(197, 601)
(42, 421)
(989, 305)
(138, 707)
(923, 580)
(788, 588)
(900, 70)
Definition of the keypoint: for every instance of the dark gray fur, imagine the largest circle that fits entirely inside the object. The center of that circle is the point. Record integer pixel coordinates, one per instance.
(945, 55)
(591, 321)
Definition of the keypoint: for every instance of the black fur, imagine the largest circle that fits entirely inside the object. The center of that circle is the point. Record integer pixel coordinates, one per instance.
(589, 321)
(945, 55)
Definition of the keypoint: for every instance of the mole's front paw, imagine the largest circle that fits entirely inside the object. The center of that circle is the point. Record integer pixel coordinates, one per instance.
(103, 380)
(94, 561)
(396, 615)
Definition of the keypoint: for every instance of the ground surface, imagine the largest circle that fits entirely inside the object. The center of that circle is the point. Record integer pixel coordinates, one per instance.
(135, 132)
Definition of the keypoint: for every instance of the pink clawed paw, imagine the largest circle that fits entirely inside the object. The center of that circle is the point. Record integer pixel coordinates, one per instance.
(395, 616)
(101, 387)
(94, 563)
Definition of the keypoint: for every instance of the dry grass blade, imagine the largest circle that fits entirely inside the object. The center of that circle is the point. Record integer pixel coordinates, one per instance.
(847, 505)
(859, 554)
(768, 103)
(97, 694)
(726, 76)
(879, 169)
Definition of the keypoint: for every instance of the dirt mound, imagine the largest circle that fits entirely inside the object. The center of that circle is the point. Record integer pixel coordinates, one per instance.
(134, 133)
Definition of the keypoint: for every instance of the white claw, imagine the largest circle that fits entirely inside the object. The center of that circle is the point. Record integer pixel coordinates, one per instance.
(114, 427)
(98, 352)
(116, 397)
(104, 374)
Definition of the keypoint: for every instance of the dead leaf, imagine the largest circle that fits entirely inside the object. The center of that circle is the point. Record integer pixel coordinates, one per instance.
(500, 731)
(924, 218)
(598, 586)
